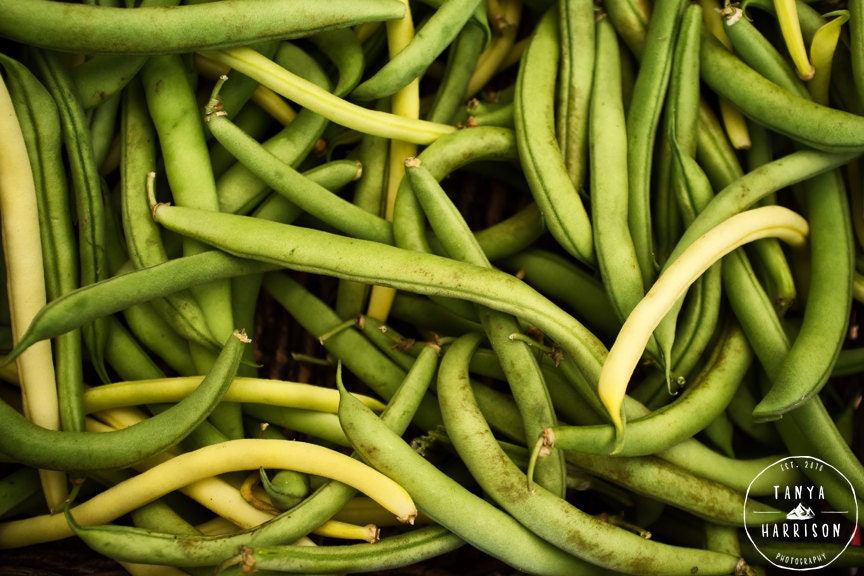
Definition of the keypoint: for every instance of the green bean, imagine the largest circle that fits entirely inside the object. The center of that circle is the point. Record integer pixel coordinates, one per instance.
(320, 252)
(16, 488)
(191, 550)
(740, 411)
(86, 184)
(280, 80)
(807, 366)
(427, 314)
(125, 355)
(35, 446)
(614, 246)
(238, 189)
(563, 281)
(801, 120)
(574, 90)
(159, 337)
(630, 19)
(157, 30)
(642, 121)
(389, 553)
(428, 43)
(357, 354)
(174, 110)
(557, 197)
(551, 517)
(309, 196)
(343, 48)
(461, 62)
(702, 400)
(143, 238)
(117, 293)
(755, 50)
(653, 477)
(517, 360)
(463, 512)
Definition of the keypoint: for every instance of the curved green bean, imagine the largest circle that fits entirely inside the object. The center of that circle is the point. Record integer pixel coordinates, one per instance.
(81, 451)
(320, 252)
(800, 119)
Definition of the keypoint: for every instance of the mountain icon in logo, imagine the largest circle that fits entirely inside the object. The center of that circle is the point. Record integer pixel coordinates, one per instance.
(800, 512)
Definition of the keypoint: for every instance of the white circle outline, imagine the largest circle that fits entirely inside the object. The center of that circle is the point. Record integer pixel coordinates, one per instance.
(747, 496)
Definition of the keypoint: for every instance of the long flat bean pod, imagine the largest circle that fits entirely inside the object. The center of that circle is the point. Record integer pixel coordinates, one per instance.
(28, 443)
(158, 30)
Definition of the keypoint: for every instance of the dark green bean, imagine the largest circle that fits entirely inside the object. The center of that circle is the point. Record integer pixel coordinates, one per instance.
(81, 451)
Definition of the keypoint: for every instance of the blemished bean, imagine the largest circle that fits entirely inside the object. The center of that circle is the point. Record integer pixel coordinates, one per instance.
(155, 30)
(563, 211)
(387, 554)
(463, 512)
(518, 361)
(27, 443)
(549, 516)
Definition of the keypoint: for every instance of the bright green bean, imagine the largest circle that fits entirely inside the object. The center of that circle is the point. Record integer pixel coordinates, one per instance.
(643, 117)
(155, 30)
(461, 63)
(35, 446)
(807, 366)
